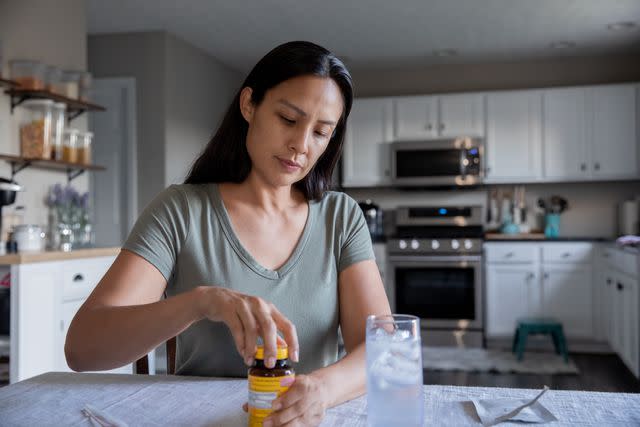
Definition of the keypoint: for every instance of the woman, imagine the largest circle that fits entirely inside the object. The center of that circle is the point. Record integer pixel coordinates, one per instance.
(251, 245)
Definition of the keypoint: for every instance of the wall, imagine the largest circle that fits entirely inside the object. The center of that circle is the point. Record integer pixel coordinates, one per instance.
(53, 33)
(499, 76)
(139, 55)
(198, 90)
(593, 205)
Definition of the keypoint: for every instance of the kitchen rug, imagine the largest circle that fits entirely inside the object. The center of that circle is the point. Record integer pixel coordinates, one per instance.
(499, 361)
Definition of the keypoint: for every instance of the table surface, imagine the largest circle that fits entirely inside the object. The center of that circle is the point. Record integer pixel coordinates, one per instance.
(57, 399)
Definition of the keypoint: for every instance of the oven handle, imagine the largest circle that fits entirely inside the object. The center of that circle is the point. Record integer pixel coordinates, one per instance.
(436, 259)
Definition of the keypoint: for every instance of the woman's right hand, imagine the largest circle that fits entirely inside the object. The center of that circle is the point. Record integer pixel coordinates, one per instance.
(248, 317)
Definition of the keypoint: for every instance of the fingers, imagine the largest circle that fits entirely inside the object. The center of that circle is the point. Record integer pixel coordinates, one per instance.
(245, 407)
(237, 332)
(250, 331)
(268, 330)
(290, 333)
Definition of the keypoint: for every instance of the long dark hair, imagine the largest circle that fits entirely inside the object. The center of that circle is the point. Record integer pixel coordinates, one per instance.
(225, 158)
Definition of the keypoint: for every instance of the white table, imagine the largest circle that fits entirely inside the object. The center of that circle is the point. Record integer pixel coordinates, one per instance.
(57, 399)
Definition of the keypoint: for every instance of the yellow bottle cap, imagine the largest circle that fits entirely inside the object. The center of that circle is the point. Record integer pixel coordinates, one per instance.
(282, 353)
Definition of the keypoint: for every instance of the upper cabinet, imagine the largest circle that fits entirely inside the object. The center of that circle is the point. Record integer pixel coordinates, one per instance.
(514, 135)
(429, 117)
(613, 131)
(366, 160)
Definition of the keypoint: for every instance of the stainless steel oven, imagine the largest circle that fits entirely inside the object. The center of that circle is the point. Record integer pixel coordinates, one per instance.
(435, 263)
(445, 162)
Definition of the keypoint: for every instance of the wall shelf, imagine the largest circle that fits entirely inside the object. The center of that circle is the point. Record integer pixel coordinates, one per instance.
(7, 83)
(75, 107)
(73, 170)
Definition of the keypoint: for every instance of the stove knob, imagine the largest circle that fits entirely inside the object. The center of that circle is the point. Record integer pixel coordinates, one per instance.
(415, 244)
(435, 245)
(402, 244)
(468, 244)
(455, 244)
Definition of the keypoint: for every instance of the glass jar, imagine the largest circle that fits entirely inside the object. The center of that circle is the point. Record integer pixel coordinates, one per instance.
(28, 74)
(70, 84)
(70, 145)
(84, 147)
(29, 238)
(52, 76)
(36, 129)
(57, 129)
(85, 85)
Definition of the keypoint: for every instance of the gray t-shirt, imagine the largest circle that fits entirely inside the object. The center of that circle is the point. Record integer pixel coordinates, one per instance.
(186, 233)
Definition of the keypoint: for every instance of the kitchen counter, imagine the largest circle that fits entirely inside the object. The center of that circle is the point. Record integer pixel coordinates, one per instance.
(32, 257)
(496, 237)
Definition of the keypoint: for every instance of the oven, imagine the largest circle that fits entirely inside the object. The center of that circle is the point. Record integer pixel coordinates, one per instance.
(435, 263)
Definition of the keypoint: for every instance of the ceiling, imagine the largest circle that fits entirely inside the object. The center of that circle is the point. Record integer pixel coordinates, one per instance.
(383, 34)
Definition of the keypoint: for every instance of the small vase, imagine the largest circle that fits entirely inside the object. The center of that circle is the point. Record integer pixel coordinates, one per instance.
(65, 236)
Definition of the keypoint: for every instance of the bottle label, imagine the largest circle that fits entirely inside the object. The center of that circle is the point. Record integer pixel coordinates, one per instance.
(262, 392)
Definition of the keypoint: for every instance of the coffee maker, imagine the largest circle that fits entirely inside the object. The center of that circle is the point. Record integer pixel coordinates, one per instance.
(8, 190)
(373, 215)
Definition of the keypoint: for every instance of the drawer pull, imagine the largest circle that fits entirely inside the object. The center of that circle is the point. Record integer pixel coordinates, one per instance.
(566, 255)
(509, 255)
(608, 282)
(78, 278)
(620, 287)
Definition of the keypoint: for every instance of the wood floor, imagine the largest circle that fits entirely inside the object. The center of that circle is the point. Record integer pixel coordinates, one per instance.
(597, 373)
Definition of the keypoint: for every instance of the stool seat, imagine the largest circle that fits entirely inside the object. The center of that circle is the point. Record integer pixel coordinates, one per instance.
(540, 325)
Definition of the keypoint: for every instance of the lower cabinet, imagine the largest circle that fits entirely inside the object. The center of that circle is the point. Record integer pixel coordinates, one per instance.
(541, 280)
(45, 297)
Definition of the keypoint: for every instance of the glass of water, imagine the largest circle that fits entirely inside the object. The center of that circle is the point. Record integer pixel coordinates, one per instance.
(394, 371)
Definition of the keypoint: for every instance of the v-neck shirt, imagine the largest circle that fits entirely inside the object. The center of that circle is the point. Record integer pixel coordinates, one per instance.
(186, 233)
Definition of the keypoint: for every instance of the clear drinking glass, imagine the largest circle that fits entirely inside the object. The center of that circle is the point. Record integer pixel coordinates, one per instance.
(394, 371)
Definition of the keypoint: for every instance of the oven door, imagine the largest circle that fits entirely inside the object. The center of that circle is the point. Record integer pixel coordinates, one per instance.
(445, 291)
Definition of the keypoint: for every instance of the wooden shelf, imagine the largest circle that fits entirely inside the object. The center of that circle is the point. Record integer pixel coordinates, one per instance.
(7, 83)
(75, 107)
(73, 170)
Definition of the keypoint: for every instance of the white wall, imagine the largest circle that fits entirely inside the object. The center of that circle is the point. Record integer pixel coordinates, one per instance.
(53, 32)
(198, 90)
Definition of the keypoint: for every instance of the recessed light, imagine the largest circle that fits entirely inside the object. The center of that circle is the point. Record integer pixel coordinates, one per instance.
(445, 52)
(623, 26)
(563, 45)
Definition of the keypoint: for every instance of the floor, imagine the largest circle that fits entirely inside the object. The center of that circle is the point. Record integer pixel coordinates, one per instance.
(597, 373)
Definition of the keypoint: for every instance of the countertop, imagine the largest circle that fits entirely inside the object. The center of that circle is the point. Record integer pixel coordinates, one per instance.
(31, 257)
(150, 400)
(496, 237)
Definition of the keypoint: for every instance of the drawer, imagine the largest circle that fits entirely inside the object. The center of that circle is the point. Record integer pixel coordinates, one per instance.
(629, 263)
(568, 252)
(511, 253)
(79, 277)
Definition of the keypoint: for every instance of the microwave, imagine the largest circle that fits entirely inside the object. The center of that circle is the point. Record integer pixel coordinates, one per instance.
(441, 162)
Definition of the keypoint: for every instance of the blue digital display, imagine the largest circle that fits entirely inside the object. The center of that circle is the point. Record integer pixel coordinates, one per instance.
(442, 211)
(473, 151)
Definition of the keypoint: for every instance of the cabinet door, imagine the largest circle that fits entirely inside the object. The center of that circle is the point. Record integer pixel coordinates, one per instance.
(512, 292)
(415, 117)
(618, 327)
(567, 296)
(630, 319)
(514, 144)
(614, 141)
(461, 115)
(608, 287)
(366, 150)
(564, 133)
(67, 311)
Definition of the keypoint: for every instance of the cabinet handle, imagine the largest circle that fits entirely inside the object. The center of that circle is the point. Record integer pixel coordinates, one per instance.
(488, 169)
(583, 167)
(620, 287)
(530, 276)
(441, 126)
(78, 278)
(509, 255)
(546, 275)
(429, 126)
(566, 255)
(608, 282)
(597, 166)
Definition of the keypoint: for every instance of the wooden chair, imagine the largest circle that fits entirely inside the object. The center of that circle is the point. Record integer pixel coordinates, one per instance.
(142, 364)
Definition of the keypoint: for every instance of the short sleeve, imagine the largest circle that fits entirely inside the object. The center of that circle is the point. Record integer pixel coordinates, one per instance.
(356, 242)
(161, 230)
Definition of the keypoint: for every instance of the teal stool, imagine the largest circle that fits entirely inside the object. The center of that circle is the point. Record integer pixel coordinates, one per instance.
(534, 326)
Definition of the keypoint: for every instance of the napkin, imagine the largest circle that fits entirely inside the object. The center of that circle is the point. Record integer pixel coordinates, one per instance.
(494, 411)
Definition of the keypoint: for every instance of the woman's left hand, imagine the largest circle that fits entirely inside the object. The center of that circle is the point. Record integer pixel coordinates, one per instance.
(304, 404)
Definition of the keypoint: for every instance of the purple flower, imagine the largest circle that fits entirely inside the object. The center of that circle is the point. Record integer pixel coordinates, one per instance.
(84, 201)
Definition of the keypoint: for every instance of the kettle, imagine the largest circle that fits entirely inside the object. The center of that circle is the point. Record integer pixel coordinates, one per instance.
(373, 216)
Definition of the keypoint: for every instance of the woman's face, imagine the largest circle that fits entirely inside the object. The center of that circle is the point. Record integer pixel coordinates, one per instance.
(291, 128)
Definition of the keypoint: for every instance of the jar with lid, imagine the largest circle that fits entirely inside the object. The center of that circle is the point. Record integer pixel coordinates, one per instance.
(57, 129)
(84, 147)
(266, 384)
(36, 129)
(28, 74)
(29, 238)
(70, 145)
(52, 76)
(70, 83)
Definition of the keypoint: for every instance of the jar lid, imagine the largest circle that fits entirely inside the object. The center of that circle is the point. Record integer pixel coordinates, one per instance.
(281, 354)
(60, 105)
(38, 103)
(71, 131)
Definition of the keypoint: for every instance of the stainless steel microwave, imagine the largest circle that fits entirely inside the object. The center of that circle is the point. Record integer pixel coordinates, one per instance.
(442, 162)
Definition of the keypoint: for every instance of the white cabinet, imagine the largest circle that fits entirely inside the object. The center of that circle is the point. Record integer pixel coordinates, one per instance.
(613, 132)
(514, 136)
(512, 293)
(366, 158)
(428, 117)
(564, 136)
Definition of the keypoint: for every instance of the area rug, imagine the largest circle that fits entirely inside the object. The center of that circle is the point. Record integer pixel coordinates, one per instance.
(499, 361)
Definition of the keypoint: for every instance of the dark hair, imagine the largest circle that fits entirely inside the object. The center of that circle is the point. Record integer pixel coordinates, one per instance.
(226, 159)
